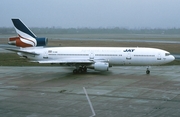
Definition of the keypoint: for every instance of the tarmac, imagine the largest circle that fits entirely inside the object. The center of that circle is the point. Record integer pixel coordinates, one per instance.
(124, 91)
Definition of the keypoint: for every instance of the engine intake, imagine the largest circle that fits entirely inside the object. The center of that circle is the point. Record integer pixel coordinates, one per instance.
(42, 41)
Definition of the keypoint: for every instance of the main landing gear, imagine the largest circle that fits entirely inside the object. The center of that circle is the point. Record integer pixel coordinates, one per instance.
(82, 69)
(147, 70)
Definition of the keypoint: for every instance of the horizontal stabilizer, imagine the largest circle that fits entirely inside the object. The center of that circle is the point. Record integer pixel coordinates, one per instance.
(18, 50)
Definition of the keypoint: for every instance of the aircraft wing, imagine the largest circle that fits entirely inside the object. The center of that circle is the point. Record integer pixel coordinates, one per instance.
(73, 61)
(18, 50)
(67, 61)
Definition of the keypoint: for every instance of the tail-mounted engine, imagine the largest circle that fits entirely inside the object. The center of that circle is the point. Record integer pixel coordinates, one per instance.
(42, 41)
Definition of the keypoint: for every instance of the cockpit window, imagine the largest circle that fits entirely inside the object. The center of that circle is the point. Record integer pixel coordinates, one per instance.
(167, 54)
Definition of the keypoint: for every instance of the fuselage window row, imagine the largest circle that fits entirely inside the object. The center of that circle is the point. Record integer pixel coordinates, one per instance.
(107, 55)
(73, 54)
(86, 54)
(144, 55)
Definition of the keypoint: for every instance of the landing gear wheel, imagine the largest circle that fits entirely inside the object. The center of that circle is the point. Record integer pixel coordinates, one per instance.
(80, 70)
(147, 71)
(84, 69)
(75, 71)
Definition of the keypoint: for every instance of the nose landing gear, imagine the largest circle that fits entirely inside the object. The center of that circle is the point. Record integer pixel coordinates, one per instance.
(148, 70)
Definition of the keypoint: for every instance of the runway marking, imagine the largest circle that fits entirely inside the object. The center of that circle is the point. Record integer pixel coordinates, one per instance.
(92, 109)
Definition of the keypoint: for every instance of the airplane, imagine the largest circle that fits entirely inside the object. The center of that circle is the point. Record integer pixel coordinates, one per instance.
(82, 58)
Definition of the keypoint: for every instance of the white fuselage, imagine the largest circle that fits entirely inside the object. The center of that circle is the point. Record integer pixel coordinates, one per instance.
(97, 58)
(112, 55)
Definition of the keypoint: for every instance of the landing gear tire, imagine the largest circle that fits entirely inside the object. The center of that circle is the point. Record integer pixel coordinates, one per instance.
(84, 69)
(80, 70)
(147, 71)
(75, 71)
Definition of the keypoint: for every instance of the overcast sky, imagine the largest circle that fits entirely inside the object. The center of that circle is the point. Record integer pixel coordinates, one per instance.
(92, 13)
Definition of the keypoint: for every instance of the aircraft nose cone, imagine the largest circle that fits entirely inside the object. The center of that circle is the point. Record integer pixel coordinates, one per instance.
(172, 58)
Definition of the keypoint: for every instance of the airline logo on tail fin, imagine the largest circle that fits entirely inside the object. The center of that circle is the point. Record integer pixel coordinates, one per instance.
(26, 38)
(22, 29)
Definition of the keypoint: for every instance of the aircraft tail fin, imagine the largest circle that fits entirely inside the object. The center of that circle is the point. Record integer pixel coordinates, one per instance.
(22, 30)
(25, 38)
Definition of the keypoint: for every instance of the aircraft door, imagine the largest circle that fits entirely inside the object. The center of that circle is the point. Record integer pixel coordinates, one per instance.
(91, 55)
(128, 57)
(45, 56)
(159, 56)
